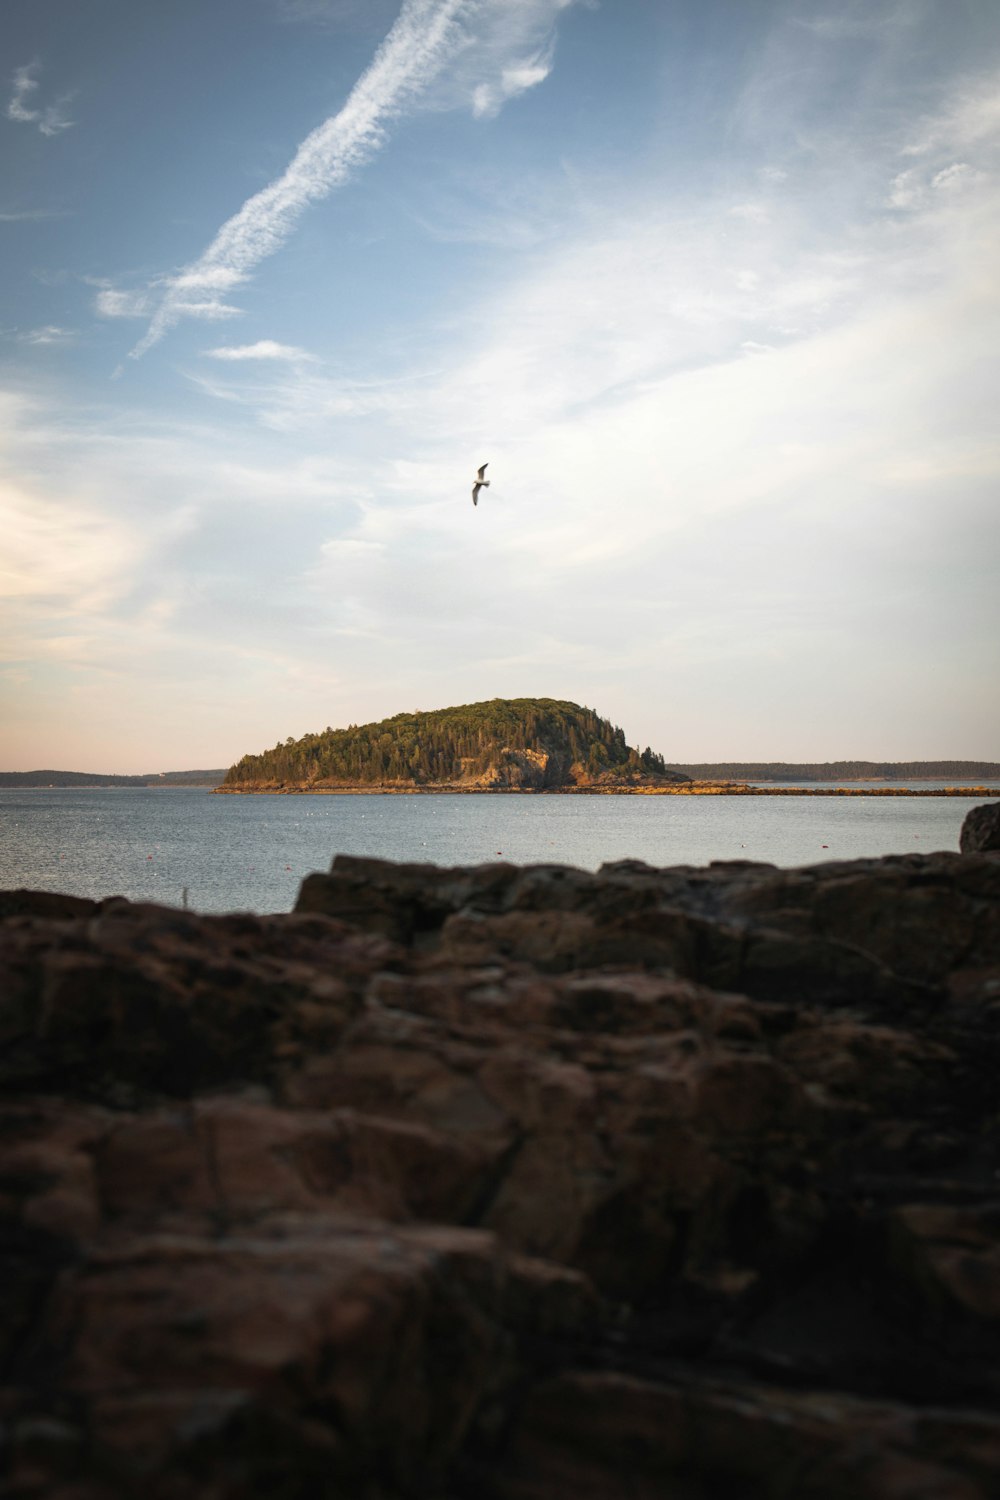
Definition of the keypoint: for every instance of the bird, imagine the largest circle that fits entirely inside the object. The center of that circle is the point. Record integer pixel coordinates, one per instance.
(480, 483)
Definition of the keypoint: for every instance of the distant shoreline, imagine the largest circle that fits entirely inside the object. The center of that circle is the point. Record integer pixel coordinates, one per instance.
(109, 786)
(860, 787)
(681, 790)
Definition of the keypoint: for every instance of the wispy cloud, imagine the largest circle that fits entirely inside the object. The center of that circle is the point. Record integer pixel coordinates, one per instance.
(104, 605)
(488, 98)
(117, 302)
(514, 209)
(50, 119)
(263, 349)
(49, 334)
(913, 188)
(514, 51)
(733, 408)
(957, 177)
(352, 13)
(61, 553)
(954, 153)
(858, 22)
(30, 215)
(972, 119)
(504, 47)
(298, 396)
(408, 58)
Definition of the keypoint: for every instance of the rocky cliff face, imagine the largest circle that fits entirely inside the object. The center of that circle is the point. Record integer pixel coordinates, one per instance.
(524, 1184)
(520, 770)
(546, 770)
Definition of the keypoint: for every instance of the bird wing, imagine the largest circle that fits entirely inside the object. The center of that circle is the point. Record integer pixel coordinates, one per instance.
(482, 469)
(475, 494)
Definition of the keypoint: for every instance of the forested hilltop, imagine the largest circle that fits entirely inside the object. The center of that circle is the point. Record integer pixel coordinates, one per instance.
(504, 744)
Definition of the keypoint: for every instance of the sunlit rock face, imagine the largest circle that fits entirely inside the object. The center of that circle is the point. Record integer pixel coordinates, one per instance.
(521, 770)
(527, 1183)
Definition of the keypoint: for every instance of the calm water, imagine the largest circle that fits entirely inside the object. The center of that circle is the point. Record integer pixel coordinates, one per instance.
(250, 853)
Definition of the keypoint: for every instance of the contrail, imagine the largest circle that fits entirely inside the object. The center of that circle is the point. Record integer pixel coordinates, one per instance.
(404, 64)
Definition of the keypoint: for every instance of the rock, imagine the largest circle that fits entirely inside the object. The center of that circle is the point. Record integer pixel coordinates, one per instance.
(981, 829)
(521, 1182)
(45, 904)
(600, 1436)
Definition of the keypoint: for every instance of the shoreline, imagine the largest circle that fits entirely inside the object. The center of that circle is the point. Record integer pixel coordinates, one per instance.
(694, 790)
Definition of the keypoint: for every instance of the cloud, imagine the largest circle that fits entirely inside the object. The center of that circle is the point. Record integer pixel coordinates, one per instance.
(518, 204)
(31, 215)
(915, 187)
(63, 554)
(956, 177)
(853, 25)
(139, 625)
(747, 520)
(51, 119)
(906, 190)
(113, 302)
(485, 37)
(263, 349)
(406, 61)
(356, 14)
(213, 309)
(298, 395)
(49, 334)
(489, 98)
(971, 119)
(724, 440)
(509, 47)
(350, 548)
(955, 152)
(755, 213)
(119, 302)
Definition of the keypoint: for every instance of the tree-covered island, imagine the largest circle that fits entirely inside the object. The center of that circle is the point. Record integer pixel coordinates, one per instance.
(506, 744)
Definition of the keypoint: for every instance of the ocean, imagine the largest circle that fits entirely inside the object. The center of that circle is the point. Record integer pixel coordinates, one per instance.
(251, 853)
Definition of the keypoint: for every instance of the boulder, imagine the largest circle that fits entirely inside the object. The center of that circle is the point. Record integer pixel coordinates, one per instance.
(981, 830)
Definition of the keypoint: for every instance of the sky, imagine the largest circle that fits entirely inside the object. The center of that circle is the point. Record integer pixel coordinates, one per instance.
(711, 285)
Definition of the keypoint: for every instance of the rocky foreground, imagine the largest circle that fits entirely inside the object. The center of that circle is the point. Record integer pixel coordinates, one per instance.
(515, 1184)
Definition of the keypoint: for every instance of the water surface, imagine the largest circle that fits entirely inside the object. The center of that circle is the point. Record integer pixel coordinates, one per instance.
(250, 853)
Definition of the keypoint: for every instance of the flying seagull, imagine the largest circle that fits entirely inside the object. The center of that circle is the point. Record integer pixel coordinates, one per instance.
(480, 483)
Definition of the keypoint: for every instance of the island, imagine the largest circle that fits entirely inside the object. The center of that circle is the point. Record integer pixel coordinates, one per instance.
(525, 745)
(505, 744)
(548, 745)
